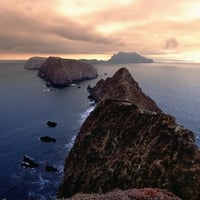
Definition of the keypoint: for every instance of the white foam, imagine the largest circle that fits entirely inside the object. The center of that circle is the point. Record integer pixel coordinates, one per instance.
(86, 114)
(72, 85)
(42, 183)
(70, 144)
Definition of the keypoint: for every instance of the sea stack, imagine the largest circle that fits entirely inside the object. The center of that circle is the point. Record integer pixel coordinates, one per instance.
(128, 143)
(62, 72)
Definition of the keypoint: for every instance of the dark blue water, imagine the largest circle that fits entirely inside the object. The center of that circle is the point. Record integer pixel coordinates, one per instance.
(26, 105)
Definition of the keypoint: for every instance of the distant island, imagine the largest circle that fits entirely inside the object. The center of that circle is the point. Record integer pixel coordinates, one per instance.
(133, 57)
(59, 72)
(121, 57)
(34, 63)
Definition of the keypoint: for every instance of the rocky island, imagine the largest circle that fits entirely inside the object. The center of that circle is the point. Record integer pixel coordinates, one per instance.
(127, 142)
(62, 72)
(121, 57)
(34, 63)
(132, 57)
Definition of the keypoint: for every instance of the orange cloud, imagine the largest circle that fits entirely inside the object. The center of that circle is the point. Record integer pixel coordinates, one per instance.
(67, 27)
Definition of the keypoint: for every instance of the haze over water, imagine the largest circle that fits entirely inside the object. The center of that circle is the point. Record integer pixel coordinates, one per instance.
(26, 104)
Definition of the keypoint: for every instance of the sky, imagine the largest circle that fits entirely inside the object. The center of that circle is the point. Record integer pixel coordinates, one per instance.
(159, 29)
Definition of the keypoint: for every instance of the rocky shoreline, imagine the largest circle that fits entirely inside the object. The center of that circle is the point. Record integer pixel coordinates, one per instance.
(128, 142)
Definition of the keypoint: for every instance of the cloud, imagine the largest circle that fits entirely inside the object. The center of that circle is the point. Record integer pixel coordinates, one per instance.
(59, 26)
(26, 29)
(171, 43)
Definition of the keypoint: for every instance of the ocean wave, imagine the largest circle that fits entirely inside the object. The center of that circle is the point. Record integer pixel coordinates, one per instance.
(42, 183)
(70, 144)
(85, 114)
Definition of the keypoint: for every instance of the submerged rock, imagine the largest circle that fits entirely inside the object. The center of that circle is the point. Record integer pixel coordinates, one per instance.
(131, 144)
(51, 124)
(34, 63)
(50, 168)
(28, 162)
(47, 139)
(62, 72)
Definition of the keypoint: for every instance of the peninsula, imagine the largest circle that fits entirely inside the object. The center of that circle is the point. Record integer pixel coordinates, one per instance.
(127, 142)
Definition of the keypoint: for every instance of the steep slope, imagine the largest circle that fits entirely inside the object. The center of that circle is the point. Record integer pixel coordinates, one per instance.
(122, 87)
(61, 72)
(121, 145)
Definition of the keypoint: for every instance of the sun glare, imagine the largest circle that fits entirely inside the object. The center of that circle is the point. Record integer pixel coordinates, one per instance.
(193, 11)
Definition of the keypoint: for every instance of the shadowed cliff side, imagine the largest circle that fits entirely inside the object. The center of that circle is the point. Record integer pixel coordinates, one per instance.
(120, 145)
(61, 72)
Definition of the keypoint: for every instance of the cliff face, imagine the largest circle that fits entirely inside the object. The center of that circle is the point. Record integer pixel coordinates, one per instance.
(120, 145)
(61, 72)
(34, 62)
(122, 87)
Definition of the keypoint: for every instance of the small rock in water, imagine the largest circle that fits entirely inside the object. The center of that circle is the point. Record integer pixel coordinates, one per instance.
(52, 124)
(28, 162)
(47, 139)
(49, 168)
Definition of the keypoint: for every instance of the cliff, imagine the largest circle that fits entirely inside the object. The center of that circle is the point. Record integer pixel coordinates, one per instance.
(122, 87)
(121, 145)
(133, 57)
(61, 72)
(34, 62)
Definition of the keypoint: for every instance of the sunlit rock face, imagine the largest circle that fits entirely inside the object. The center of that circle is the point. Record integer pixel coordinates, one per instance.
(61, 72)
(129, 144)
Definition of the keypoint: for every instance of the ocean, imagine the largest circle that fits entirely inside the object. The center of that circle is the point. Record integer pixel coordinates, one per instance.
(26, 104)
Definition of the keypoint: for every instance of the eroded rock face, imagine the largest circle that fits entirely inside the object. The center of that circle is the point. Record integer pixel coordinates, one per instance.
(121, 145)
(61, 72)
(122, 87)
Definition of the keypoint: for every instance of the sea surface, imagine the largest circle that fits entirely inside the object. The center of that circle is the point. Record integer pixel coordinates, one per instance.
(26, 104)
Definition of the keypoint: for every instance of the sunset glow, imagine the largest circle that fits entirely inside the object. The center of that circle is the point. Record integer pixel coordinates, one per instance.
(160, 29)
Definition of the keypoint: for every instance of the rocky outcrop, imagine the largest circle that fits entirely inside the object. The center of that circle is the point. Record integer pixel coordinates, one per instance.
(29, 162)
(133, 57)
(122, 146)
(34, 62)
(47, 139)
(50, 168)
(62, 72)
(122, 87)
(133, 194)
(51, 124)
